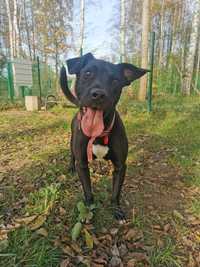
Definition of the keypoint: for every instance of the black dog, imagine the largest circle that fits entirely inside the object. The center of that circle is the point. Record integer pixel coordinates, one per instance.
(98, 88)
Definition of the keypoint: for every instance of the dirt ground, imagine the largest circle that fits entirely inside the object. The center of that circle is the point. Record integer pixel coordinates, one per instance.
(161, 193)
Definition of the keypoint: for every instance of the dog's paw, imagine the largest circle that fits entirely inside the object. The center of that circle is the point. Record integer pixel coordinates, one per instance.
(119, 215)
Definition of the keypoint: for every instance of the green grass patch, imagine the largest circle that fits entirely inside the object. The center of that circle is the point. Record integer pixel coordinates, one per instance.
(26, 248)
(165, 256)
(40, 201)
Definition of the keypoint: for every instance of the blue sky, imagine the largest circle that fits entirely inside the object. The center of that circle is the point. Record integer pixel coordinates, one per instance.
(98, 17)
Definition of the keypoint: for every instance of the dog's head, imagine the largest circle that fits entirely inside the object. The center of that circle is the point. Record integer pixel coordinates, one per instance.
(99, 83)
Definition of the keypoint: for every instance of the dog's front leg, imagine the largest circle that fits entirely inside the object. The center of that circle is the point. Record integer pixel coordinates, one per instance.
(84, 176)
(118, 179)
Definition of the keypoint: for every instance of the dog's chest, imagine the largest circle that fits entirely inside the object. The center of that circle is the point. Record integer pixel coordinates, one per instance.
(99, 151)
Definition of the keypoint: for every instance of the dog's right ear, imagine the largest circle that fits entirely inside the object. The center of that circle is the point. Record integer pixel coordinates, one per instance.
(76, 64)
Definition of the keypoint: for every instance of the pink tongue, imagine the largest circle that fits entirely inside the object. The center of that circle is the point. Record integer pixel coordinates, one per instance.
(92, 122)
(92, 126)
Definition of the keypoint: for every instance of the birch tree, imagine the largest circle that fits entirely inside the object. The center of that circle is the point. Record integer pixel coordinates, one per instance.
(144, 52)
(122, 30)
(16, 28)
(190, 58)
(82, 25)
(10, 27)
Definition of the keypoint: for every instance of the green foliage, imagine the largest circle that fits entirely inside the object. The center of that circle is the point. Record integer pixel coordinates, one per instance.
(40, 201)
(164, 257)
(85, 215)
(76, 230)
(26, 248)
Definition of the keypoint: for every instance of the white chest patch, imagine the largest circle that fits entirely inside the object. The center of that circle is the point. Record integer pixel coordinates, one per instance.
(100, 151)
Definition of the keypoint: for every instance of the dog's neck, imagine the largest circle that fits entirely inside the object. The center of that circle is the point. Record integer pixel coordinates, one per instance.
(108, 117)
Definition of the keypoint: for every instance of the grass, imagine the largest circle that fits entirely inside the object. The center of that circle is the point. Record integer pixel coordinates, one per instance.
(163, 163)
(164, 257)
(29, 249)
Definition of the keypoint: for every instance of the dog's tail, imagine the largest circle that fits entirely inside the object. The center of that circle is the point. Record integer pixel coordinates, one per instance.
(65, 88)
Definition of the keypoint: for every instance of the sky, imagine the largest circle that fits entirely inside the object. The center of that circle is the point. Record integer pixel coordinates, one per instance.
(98, 17)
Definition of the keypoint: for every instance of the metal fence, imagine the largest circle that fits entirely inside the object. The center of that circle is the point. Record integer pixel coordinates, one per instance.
(44, 82)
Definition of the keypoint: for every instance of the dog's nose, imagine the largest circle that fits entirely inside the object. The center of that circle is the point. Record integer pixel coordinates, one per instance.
(98, 94)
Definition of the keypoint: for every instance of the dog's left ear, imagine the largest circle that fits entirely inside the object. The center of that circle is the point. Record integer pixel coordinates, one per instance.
(131, 72)
(76, 64)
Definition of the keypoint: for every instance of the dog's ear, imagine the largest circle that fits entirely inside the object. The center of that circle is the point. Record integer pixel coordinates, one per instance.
(131, 72)
(76, 64)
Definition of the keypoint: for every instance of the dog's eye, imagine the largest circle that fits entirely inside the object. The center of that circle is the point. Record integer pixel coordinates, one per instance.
(115, 82)
(87, 75)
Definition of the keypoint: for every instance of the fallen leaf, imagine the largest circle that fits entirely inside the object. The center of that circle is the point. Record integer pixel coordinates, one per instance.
(178, 215)
(42, 231)
(65, 263)
(115, 261)
(166, 227)
(105, 237)
(62, 211)
(100, 261)
(131, 263)
(134, 235)
(76, 230)
(187, 242)
(83, 260)
(114, 231)
(39, 221)
(26, 220)
(76, 248)
(88, 239)
(67, 250)
(3, 235)
(97, 265)
(61, 178)
(138, 256)
(115, 251)
(123, 250)
(191, 262)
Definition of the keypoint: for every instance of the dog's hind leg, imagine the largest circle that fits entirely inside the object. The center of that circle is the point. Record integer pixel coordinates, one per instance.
(72, 168)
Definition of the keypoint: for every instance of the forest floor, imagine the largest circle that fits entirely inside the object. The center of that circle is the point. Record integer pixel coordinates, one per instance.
(161, 194)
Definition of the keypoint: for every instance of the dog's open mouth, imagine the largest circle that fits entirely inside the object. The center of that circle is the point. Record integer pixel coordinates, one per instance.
(92, 121)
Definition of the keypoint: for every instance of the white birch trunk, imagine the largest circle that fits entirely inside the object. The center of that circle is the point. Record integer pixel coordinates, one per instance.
(10, 26)
(197, 68)
(189, 64)
(122, 29)
(144, 52)
(16, 28)
(82, 24)
(161, 41)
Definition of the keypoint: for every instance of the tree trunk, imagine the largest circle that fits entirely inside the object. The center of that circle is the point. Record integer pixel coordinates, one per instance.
(161, 40)
(10, 25)
(122, 30)
(144, 52)
(189, 64)
(82, 26)
(33, 31)
(27, 31)
(16, 28)
(197, 65)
